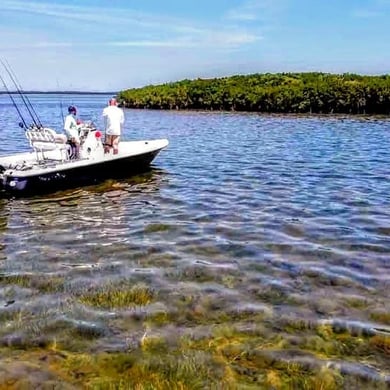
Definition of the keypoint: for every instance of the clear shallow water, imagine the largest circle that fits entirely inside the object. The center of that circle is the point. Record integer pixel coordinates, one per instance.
(283, 217)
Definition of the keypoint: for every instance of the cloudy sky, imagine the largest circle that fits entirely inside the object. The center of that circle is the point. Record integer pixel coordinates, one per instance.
(112, 45)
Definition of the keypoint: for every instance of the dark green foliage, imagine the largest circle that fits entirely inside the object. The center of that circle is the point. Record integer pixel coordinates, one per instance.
(276, 93)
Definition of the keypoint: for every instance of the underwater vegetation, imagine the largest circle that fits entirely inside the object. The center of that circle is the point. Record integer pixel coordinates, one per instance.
(253, 255)
(195, 333)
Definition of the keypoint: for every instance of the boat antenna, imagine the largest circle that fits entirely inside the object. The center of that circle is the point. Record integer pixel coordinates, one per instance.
(23, 122)
(25, 99)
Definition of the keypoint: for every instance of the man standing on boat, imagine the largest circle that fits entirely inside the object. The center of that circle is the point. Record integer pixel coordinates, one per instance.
(114, 119)
(72, 132)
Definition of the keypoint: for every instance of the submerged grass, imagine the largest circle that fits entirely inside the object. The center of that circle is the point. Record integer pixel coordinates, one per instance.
(198, 273)
(220, 343)
(140, 370)
(208, 310)
(111, 297)
(157, 227)
(227, 358)
(382, 317)
(382, 343)
(42, 283)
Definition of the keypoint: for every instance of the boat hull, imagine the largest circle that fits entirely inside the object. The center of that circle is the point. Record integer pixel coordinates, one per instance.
(75, 176)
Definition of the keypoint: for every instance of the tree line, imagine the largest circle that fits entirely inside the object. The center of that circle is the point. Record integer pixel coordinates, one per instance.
(271, 93)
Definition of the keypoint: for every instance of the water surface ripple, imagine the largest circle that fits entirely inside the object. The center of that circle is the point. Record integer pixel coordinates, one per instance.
(284, 216)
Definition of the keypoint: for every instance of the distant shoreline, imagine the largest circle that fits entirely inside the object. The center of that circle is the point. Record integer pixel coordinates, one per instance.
(59, 93)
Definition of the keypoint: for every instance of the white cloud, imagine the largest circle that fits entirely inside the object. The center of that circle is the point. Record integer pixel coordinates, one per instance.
(43, 45)
(74, 13)
(221, 40)
(122, 28)
(82, 42)
(375, 9)
(384, 3)
(252, 10)
(365, 13)
(106, 16)
(237, 39)
(144, 43)
(241, 15)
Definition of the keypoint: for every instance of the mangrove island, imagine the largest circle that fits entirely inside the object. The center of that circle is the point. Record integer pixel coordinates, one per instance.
(314, 92)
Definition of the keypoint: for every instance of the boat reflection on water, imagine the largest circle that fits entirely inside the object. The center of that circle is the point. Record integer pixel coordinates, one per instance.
(86, 225)
(147, 181)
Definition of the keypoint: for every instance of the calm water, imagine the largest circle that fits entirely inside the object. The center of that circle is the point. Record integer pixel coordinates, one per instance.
(285, 216)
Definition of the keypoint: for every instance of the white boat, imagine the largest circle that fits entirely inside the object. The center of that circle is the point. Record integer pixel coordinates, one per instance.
(49, 165)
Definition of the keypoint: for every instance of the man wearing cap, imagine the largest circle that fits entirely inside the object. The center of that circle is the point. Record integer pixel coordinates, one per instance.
(71, 130)
(113, 120)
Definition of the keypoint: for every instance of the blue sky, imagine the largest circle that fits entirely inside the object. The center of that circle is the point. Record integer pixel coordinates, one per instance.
(117, 44)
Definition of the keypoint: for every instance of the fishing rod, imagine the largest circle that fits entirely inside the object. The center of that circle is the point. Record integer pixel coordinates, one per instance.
(22, 124)
(62, 110)
(25, 99)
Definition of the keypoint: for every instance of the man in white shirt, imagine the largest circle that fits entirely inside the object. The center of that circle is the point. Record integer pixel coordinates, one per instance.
(72, 132)
(113, 120)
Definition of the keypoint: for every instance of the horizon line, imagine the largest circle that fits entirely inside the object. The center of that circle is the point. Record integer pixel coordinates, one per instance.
(78, 92)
